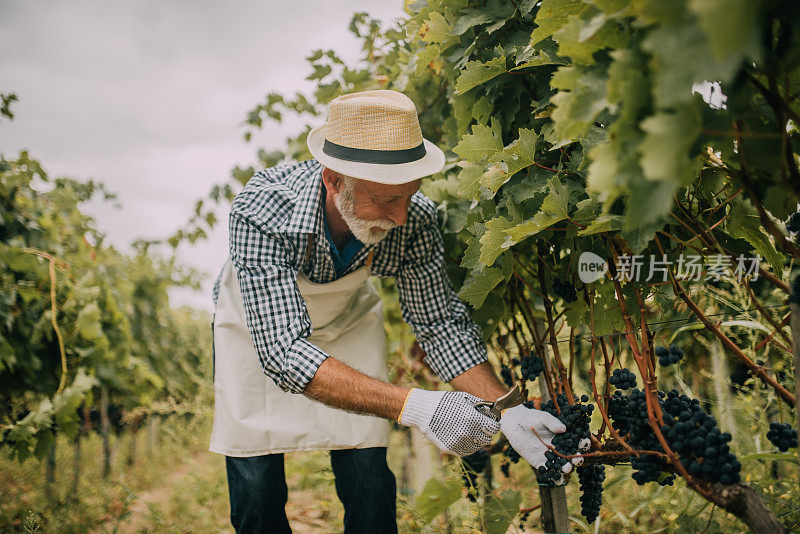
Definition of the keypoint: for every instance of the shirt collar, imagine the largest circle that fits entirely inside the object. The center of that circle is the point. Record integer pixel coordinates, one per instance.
(306, 216)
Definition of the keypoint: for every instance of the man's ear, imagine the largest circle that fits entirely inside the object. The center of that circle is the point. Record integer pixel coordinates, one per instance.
(333, 182)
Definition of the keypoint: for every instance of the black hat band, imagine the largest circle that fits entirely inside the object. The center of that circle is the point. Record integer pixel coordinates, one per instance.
(367, 155)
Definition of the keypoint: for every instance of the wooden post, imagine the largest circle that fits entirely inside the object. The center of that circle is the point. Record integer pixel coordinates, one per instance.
(722, 391)
(134, 433)
(423, 467)
(152, 434)
(555, 515)
(105, 426)
(406, 476)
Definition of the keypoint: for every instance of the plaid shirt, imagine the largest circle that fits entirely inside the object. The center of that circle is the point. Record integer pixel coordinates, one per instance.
(269, 226)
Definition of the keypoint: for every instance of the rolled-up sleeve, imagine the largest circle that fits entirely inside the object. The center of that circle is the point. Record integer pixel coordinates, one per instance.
(441, 321)
(275, 311)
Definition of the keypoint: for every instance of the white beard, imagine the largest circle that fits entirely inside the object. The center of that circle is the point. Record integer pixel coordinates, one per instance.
(361, 228)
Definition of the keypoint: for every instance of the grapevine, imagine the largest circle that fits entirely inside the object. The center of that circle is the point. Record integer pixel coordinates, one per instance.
(82, 322)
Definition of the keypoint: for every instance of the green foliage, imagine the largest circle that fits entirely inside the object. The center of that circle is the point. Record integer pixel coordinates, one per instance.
(500, 512)
(436, 496)
(115, 327)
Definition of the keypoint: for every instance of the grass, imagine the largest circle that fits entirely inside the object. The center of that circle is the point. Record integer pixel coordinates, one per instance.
(183, 479)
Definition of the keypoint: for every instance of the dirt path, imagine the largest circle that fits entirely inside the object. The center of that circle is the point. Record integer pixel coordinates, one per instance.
(304, 516)
(140, 511)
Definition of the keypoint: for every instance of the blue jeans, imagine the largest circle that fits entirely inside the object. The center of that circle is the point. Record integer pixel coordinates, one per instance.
(364, 483)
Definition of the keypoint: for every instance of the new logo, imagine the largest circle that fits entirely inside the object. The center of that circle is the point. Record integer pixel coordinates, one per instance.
(591, 267)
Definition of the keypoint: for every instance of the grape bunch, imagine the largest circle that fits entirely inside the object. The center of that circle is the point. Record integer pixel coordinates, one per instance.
(629, 415)
(471, 466)
(591, 477)
(668, 356)
(512, 457)
(623, 379)
(783, 436)
(694, 436)
(690, 432)
(576, 418)
(531, 367)
(565, 290)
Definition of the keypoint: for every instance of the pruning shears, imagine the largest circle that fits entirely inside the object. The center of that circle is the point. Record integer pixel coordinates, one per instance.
(492, 409)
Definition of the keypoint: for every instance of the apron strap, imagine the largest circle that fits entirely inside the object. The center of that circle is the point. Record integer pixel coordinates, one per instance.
(369, 259)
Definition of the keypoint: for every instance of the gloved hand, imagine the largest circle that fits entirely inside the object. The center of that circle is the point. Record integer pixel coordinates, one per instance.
(449, 419)
(516, 424)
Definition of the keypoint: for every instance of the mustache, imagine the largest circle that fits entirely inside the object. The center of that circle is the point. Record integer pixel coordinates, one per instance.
(383, 224)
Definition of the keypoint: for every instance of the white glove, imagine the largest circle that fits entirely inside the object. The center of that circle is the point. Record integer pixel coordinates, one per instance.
(516, 424)
(449, 419)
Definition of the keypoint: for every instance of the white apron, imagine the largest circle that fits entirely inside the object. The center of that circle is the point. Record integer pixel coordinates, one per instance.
(252, 415)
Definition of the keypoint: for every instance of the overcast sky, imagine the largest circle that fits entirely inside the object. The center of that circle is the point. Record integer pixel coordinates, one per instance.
(148, 97)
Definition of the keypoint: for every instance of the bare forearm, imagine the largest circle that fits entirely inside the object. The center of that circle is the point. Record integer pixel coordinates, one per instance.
(480, 381)
(339, 385)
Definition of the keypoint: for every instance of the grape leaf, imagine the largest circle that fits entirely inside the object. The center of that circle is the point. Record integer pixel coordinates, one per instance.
(494, 177)
(436, 496)
(438, 30)
(478, 284)
(581, 101)
(471, 257)
(519, 153)
(648, 202)
(66, 403)
(680, 57)
(482, 144)
(607, 314)
(743, 222)
(482, 110)
(552, 16)
(638, 236)
(495, 240)
(469, 180)
(470, 18)
(666, 147)
(526, 6)
(463, 111)
(476, 73)
(555, 208)
(501, 511)
(604, 222)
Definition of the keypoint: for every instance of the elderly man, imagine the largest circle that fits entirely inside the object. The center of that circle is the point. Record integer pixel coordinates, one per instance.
(294, 302)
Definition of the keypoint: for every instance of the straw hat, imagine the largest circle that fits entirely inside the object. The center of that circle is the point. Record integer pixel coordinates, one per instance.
(375, 136)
